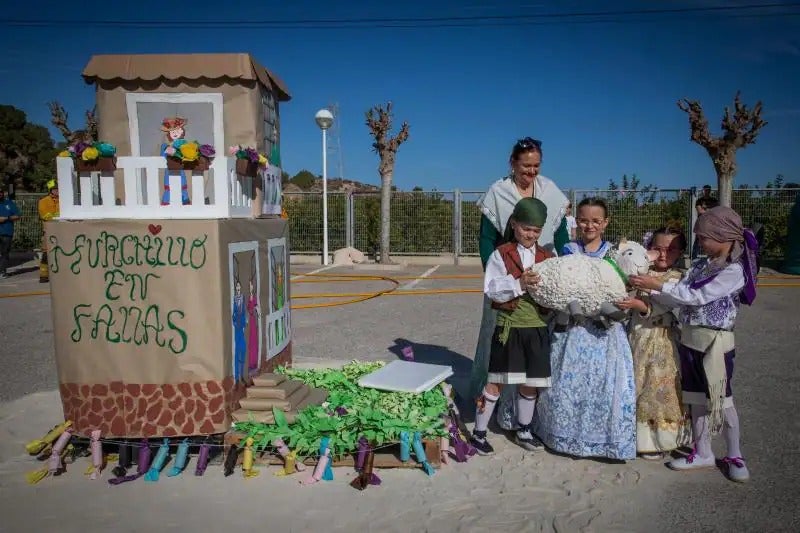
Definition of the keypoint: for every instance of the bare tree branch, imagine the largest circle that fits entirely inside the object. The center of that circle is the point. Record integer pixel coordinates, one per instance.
(91, 124)
(379, 122)
(59, 119)
(697, 123)
(740, 127)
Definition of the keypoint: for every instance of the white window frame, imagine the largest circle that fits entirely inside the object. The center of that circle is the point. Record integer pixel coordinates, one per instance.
(215, 99)
(269, 117)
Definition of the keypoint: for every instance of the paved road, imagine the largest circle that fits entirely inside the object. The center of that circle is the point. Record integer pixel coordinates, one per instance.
(443, 328)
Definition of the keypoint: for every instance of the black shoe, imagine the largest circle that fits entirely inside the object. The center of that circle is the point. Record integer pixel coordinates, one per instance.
(44, 280)
(482, 446)
(526, 439)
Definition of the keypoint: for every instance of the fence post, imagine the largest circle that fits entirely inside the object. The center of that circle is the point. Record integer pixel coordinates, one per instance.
(692, 219)
(348, 219)
(456, 226)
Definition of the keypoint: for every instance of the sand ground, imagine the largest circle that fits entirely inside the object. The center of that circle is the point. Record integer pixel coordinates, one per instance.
(512, 491)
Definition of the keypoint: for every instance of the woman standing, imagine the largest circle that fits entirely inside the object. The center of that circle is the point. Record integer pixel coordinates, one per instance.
(252, 344)
(496, 207)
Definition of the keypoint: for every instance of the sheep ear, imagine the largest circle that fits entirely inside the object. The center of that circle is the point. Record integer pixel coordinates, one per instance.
(623, 240)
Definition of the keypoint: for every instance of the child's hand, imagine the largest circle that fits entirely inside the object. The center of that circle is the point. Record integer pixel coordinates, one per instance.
(645, 282)
(632, 303)
(529, 280)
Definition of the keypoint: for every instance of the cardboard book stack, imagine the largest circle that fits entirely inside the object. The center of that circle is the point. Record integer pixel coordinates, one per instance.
(276, 391)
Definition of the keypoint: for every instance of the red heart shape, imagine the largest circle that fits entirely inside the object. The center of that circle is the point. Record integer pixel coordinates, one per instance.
(155, 230)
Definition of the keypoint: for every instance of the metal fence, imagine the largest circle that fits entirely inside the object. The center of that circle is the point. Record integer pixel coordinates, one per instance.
(448, 222)
(28, 229)
(633, 213)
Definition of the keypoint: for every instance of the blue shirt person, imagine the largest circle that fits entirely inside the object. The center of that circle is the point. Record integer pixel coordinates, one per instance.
(9, 213)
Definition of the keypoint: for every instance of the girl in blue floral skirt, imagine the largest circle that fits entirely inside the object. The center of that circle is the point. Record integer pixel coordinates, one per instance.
(590, 408)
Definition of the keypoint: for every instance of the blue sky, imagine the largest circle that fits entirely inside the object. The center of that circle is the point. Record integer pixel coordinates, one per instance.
(602, 97)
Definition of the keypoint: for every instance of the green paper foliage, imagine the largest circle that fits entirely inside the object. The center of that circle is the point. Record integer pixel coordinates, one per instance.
(379, 416)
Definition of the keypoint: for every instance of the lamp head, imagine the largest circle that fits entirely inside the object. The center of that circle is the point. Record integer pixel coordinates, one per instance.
(324, 119)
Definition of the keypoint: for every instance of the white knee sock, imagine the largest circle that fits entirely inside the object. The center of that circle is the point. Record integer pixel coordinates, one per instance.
(526, 405)
(731, 431)
(482, 417)
(702, 436)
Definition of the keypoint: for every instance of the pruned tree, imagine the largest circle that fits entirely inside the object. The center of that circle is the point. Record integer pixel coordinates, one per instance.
(58, 117)
(379, 122)
(739, 128)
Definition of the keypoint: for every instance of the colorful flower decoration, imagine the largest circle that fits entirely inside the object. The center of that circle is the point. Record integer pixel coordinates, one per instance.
(89, 151)
(248, 153)
(189, 150)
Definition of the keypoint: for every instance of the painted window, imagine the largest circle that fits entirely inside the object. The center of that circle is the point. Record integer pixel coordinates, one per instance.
(270, 119)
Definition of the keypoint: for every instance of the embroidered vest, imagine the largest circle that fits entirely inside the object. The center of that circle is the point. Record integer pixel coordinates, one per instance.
(513, 263)
(719, 314)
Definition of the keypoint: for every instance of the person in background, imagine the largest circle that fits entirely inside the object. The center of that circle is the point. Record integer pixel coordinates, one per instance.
(48, 210)
(572, 226)
(9, 213)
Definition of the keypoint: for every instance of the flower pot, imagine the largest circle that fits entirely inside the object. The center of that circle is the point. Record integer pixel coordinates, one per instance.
(101, 164)
(200, 164)
(174, 163)
(245, 167)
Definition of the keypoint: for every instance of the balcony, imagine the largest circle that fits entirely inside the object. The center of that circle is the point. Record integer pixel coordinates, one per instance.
(135, 189)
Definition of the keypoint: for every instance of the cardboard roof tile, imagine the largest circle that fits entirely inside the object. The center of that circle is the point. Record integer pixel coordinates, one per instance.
(176, 66)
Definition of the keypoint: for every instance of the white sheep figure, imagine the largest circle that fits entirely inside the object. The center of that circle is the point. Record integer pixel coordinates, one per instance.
(582, 286)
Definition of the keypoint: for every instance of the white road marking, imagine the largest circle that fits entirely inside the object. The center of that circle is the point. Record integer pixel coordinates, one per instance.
(313, 272)
(411, 284)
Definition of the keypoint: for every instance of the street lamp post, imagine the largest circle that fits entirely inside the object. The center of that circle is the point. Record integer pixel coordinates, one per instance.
(324, 120)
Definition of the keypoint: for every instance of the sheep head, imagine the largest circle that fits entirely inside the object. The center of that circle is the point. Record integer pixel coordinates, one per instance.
(632, 258)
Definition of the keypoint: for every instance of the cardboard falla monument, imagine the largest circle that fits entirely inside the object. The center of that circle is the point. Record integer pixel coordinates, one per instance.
(169, 275)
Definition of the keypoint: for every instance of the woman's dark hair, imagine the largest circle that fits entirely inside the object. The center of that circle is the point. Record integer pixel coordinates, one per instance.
(680, 237)
(594, 201)
(528, 144)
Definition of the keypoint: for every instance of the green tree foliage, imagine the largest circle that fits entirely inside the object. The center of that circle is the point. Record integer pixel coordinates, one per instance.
(27, 152)
(635, 210)
(303, 179)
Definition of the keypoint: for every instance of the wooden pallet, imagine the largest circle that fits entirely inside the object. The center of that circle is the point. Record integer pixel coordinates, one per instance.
(388, 457)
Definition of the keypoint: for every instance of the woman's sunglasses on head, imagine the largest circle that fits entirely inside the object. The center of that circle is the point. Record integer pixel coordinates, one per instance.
(528, 142)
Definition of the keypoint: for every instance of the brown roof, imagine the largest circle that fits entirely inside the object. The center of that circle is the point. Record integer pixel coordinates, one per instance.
(176, 66)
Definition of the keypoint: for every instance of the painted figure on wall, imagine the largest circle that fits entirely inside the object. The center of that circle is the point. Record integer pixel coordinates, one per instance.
(174, 129)
(252, 311)
(278, 289)
(239, 317)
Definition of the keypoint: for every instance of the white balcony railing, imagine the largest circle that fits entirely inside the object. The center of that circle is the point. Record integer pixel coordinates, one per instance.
(217, 193)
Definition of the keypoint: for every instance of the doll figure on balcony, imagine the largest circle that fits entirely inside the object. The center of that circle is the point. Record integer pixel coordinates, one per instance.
(174, 129)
